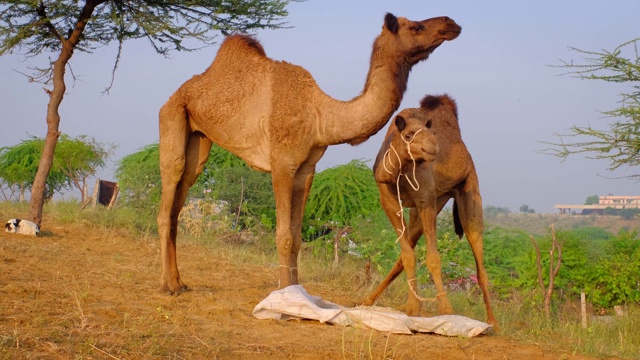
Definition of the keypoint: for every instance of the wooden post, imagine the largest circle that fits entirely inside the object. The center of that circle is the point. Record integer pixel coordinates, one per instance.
(336, 243)
(112, 202)
(583, 309)
(96, 191)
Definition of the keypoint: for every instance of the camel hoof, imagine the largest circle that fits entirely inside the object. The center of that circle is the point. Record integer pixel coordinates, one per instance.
(368, 302)
(166, 290)
(412, 309)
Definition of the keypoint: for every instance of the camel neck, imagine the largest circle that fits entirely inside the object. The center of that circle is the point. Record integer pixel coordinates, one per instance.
(356, 120)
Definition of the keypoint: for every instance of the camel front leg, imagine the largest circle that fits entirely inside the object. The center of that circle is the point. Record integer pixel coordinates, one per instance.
(408, 239)
(415, 232)
(186, 168)
(301, 189)
(283, 185)
(428, 219)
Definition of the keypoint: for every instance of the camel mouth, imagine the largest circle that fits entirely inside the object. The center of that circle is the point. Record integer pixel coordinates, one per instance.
(450, 34)
(435, 45)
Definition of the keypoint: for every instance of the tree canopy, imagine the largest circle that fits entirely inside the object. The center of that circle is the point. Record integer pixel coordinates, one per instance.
(80, 158)
(620, 144)
(34, 27)
(342, 193)
(593, 199)
(76, 160)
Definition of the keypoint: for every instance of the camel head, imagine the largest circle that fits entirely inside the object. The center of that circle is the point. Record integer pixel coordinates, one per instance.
(414, 41)
(415, 139)
(410, 142)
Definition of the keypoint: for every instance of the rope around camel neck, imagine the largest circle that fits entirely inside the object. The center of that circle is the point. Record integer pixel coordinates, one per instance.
(416, 187)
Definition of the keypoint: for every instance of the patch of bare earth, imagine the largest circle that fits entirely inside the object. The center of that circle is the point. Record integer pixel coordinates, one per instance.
(81, 292)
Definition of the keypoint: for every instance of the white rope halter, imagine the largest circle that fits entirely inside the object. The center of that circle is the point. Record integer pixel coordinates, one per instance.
(416, 187)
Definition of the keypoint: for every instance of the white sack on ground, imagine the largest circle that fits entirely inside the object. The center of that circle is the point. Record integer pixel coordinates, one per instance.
(293, 302)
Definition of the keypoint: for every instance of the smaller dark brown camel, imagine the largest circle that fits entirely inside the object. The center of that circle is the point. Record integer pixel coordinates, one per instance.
(425, 186)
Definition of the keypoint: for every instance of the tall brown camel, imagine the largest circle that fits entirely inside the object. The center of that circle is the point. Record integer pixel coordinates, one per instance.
(451, 175)
(273, 115)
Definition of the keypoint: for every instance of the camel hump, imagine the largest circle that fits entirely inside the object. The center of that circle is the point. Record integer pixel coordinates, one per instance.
(242, 42)
(432, 102)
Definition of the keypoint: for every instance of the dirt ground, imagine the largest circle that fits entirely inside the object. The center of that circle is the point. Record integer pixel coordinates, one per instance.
(86, 293)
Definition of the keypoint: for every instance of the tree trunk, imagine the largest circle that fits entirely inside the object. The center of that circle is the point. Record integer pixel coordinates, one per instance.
(85, 191)
(55, 98)
(51, 140)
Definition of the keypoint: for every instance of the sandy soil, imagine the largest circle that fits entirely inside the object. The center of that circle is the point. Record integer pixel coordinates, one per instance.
(86, 293)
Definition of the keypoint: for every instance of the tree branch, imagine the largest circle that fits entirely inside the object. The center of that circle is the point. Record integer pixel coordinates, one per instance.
(41, 11)
(535, 245)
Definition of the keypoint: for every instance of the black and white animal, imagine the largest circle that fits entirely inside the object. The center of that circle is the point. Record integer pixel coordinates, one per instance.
(22, 227)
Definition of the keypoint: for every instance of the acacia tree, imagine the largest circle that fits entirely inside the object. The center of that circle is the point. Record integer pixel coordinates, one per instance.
(338, 196)
(80, 158)
(620, 145)
(19, 164)
(76, 159)
(342, 193)
(59, 27)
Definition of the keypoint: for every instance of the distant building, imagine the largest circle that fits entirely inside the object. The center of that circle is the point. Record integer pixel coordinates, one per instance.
(609, 201)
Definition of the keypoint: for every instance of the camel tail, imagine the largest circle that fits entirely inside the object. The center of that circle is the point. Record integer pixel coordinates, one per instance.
(457, 225)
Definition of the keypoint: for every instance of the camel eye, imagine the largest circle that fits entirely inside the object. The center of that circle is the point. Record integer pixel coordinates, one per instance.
(428, 124)
(407, 136)
(417, 28)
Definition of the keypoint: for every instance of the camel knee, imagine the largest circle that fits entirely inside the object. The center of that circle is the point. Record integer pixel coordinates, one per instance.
(285, 246)
(434, 263)
(173, 169)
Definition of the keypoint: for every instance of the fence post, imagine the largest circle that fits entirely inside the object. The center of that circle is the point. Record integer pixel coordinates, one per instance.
(583, 309)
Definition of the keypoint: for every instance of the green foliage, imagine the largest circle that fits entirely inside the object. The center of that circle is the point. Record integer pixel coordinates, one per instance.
(241, 183)
(228, 179)
(572, 271)
(614, 281)
(504, 250)
(33, 27)
(138, 176)
(342, 193)
(80, 158)
(620, 145)
(593, 199)
(376, 241)
(75, 160)
(226, 175)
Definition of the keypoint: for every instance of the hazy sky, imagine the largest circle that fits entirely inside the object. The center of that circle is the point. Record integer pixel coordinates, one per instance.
(509, 98)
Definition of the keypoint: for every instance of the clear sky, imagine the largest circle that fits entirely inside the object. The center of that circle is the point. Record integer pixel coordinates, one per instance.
(509, 98)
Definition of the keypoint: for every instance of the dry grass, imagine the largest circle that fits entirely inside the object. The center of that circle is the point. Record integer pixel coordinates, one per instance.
(86, 289)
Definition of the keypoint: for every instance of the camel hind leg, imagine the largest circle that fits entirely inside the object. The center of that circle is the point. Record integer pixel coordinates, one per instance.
(469, 204)
(182, 157)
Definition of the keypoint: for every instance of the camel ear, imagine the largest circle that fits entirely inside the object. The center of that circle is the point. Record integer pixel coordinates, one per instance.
(401, 123)
(391, 23)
